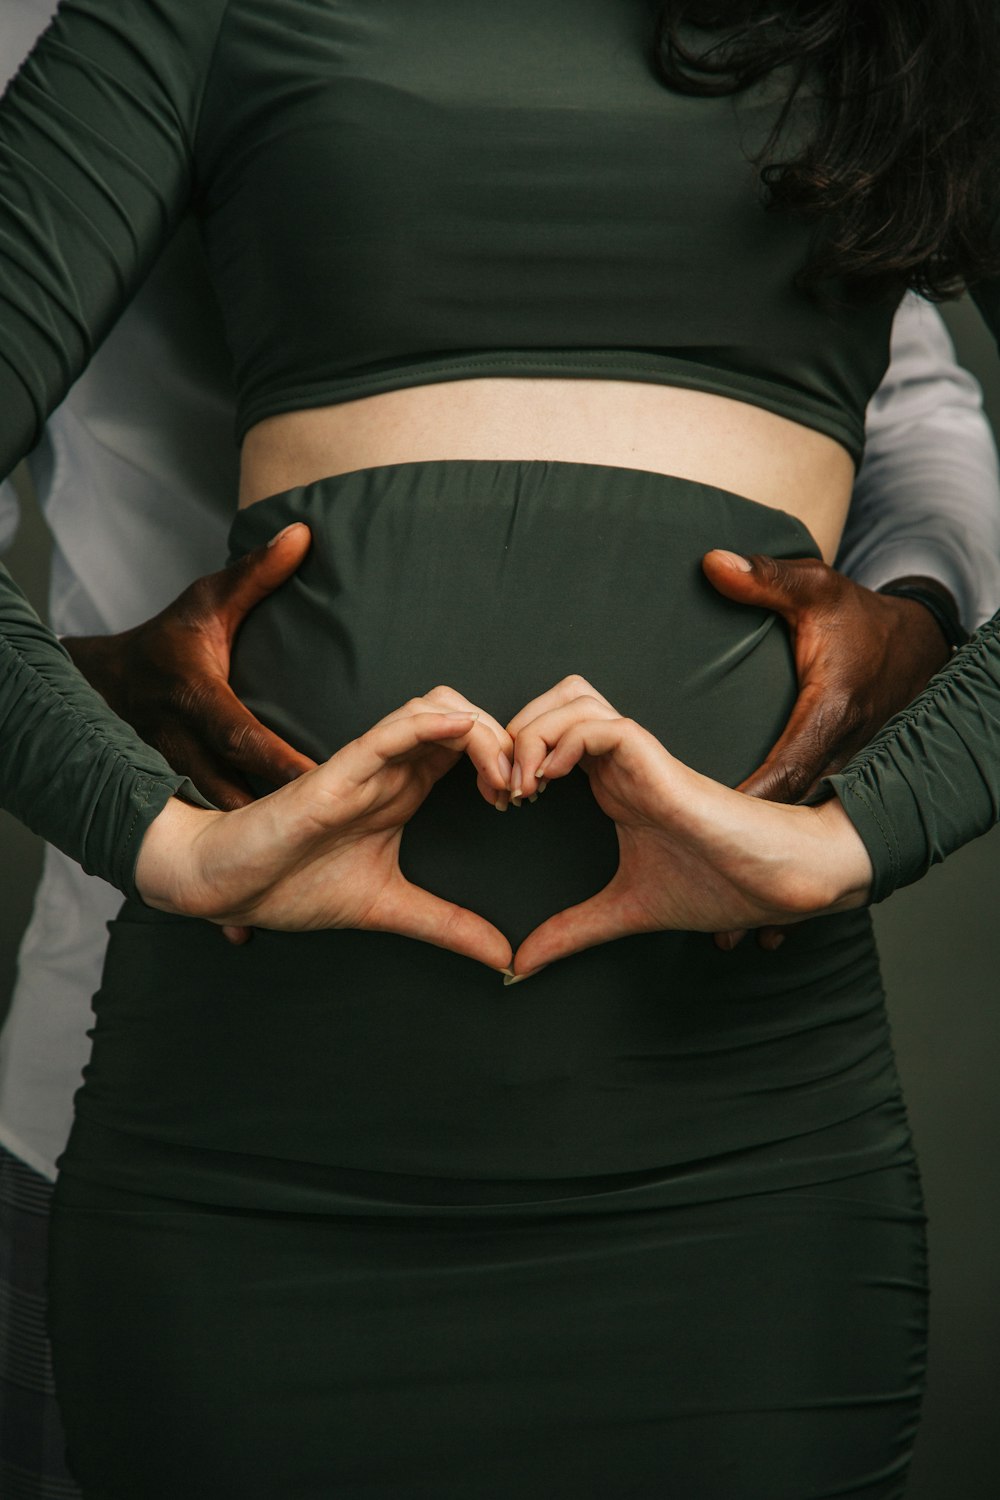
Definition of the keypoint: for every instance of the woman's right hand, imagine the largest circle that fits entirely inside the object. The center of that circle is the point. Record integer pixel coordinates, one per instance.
(324, 851)
(693, 855)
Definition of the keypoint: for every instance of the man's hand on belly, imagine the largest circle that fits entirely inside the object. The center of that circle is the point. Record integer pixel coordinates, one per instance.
(860, 658)
(169, 678)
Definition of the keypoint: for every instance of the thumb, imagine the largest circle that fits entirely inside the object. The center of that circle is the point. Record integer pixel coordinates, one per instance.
(245, 582)
(783, 585)
(598, 920)
(412, 912)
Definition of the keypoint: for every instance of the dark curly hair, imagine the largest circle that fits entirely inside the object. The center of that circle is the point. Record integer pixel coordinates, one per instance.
(903, 167)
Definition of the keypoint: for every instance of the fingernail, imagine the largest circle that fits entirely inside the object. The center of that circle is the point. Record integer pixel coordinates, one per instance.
(278, 535)
(510, 979)
(533, 797)
(541, 784)
(515, 787)
(501, 801)
(742, 564)
(470, 715)
(505, 767)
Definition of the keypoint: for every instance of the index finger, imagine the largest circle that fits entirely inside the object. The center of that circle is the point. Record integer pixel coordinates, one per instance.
(805, 751)
(571, 687)
(240, 741)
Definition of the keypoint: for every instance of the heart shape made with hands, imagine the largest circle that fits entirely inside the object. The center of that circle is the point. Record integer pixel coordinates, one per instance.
(624, 867)
(645, 844)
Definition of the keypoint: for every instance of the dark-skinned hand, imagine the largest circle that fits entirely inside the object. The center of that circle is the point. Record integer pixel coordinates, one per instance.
(169, 677)
(860, 658)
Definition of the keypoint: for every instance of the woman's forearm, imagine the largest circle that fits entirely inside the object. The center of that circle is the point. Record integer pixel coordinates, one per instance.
(930, 781)
(69, 768)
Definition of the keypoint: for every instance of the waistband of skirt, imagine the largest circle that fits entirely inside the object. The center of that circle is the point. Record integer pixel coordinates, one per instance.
(449, 478)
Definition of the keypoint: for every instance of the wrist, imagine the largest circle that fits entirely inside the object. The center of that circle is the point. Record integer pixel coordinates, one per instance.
(936, 600)
(168, 872)
(846, 863)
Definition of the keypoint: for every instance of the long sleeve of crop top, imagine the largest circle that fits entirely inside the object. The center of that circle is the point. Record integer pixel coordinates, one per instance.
(930, 780)
(96, 137)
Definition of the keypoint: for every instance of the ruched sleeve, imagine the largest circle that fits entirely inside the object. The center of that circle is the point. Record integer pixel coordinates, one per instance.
(96, 166)
(930, 781)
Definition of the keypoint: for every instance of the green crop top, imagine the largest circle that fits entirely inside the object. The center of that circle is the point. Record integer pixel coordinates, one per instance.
(391, 192)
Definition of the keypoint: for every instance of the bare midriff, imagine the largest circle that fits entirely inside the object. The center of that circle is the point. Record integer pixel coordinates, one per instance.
(626, 424)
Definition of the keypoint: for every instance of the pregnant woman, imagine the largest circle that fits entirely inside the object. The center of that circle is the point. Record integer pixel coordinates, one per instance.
(517, 337)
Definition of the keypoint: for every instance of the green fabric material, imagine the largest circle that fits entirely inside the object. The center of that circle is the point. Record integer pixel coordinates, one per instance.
(425, 192)
(261, 1072)
(69, 767)
(769, 1349)
(930, 781)
(356, 1220)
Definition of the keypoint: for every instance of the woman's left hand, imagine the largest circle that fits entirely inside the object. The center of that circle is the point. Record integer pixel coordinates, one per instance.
(693, 855)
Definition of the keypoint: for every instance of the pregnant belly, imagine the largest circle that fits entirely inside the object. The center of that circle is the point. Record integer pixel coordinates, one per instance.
(499, 579)
(370, 1052)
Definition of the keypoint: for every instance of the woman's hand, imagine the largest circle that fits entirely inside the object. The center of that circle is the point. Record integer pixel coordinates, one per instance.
(693, 855)
(324, 851)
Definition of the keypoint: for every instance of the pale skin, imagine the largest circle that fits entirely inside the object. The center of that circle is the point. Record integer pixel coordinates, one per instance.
(322, 851)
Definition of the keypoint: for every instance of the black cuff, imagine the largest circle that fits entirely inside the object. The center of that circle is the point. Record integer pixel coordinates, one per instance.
(937, 600)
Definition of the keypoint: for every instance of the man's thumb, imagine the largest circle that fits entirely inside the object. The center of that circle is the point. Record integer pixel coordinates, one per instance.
(768, 582)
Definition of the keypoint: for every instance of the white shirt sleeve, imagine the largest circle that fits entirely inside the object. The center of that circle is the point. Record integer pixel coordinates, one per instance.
(927, 496)
(9, 514)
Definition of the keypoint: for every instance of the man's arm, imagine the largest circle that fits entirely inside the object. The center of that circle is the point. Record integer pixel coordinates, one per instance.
(9, 514)
(926, 511)
(927, 497)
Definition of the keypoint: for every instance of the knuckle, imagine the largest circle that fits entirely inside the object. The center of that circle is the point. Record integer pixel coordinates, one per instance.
(768, 568)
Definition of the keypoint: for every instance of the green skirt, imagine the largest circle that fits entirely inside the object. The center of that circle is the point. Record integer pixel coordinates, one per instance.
(463, 1240)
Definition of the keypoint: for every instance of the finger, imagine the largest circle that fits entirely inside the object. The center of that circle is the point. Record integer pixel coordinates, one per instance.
(727, 941)
(785, 585)
(395, 738)
(539, 736)
(594, 738)
(804, 751)
(235, 589)
(573, 686)
(770, 938)
(491, 757)
(223, 790)
(601, 919)
(214, 714)
(238, 936)
(452, 701)
(413, 912)
(492, 764)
